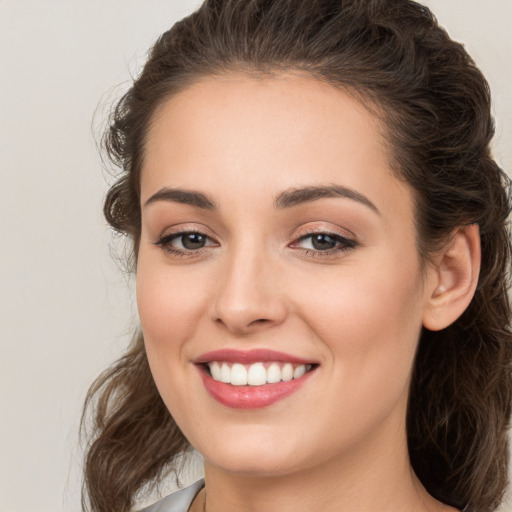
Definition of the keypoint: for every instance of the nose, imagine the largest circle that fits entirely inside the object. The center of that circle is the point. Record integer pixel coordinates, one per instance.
(249, 297)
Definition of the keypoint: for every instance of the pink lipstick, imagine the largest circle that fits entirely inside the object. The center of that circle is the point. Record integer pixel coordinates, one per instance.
(252, 379)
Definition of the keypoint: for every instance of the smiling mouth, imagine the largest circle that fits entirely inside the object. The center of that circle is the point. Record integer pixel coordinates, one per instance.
(253, 379)
(255, 374)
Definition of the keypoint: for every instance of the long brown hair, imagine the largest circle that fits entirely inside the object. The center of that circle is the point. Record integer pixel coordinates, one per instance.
(435, 104)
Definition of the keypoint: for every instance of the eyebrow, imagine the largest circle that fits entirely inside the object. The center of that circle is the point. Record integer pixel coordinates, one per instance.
(178, 195)
(297, 196)
(286, 199)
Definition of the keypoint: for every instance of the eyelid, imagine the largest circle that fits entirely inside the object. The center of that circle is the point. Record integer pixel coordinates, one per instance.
(164, 240)
(186, 227)
(334, 236)
(178, 234)
(344, 238)
(322, 229)
(347, 242)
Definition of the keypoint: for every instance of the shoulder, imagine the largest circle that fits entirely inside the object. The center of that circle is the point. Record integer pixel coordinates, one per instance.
(179, 501)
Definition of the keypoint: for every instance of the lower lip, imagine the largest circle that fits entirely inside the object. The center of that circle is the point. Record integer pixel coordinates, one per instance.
(251, 397)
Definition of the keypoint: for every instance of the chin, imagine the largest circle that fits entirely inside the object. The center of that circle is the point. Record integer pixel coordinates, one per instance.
(253, 455)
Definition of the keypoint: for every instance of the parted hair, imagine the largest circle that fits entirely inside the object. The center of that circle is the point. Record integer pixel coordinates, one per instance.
(435, 107)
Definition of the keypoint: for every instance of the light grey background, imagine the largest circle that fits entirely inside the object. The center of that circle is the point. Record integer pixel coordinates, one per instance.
(65, 309)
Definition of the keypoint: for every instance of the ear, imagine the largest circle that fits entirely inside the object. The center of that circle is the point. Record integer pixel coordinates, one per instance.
(453, 279)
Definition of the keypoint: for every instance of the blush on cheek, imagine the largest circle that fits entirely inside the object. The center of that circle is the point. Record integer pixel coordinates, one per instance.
(163, 311)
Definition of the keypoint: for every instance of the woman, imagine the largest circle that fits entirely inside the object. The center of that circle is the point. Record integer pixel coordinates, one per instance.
(321, 248)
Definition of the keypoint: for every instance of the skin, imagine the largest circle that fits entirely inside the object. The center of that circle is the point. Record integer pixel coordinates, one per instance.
(339, 443)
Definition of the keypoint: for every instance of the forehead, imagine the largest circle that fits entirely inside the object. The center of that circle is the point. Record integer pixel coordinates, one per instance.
(262, 106)
(247, 132)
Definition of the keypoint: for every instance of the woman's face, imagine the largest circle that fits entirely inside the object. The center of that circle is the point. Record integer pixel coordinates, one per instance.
(277, 241)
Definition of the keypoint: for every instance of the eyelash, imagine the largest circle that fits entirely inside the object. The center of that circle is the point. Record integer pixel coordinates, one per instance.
(165, 243)
(344, 244)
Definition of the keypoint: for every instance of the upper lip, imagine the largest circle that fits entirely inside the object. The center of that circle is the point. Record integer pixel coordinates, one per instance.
(250, 356)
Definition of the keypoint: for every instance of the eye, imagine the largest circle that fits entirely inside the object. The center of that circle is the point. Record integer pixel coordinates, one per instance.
(324, 243)
(185, 242)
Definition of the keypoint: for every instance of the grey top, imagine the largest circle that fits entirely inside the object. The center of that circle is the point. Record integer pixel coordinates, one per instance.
(179, 501)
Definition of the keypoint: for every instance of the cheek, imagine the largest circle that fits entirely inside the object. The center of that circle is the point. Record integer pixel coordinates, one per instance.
(169, 306)
(370, 320)
(168, 301)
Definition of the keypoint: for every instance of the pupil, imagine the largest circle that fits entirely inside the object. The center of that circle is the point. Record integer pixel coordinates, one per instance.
(193, 241)
(323, 242)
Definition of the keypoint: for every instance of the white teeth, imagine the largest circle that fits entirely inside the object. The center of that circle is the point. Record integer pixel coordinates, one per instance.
(216, 371)
(299, 371)
(287, 372)
(238, 375)
(273, 373)
(255, 374)
(225, 373)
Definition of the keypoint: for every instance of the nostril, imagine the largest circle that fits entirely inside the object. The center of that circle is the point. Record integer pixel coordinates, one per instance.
(260, 321)
(232, 325)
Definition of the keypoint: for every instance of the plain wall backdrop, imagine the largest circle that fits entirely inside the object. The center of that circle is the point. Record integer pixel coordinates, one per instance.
(66, 310)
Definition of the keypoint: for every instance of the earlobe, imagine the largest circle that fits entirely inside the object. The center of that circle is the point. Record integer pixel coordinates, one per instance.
(453, 279)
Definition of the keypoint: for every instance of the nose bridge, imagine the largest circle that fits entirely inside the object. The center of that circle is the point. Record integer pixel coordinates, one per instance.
(248, 295)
